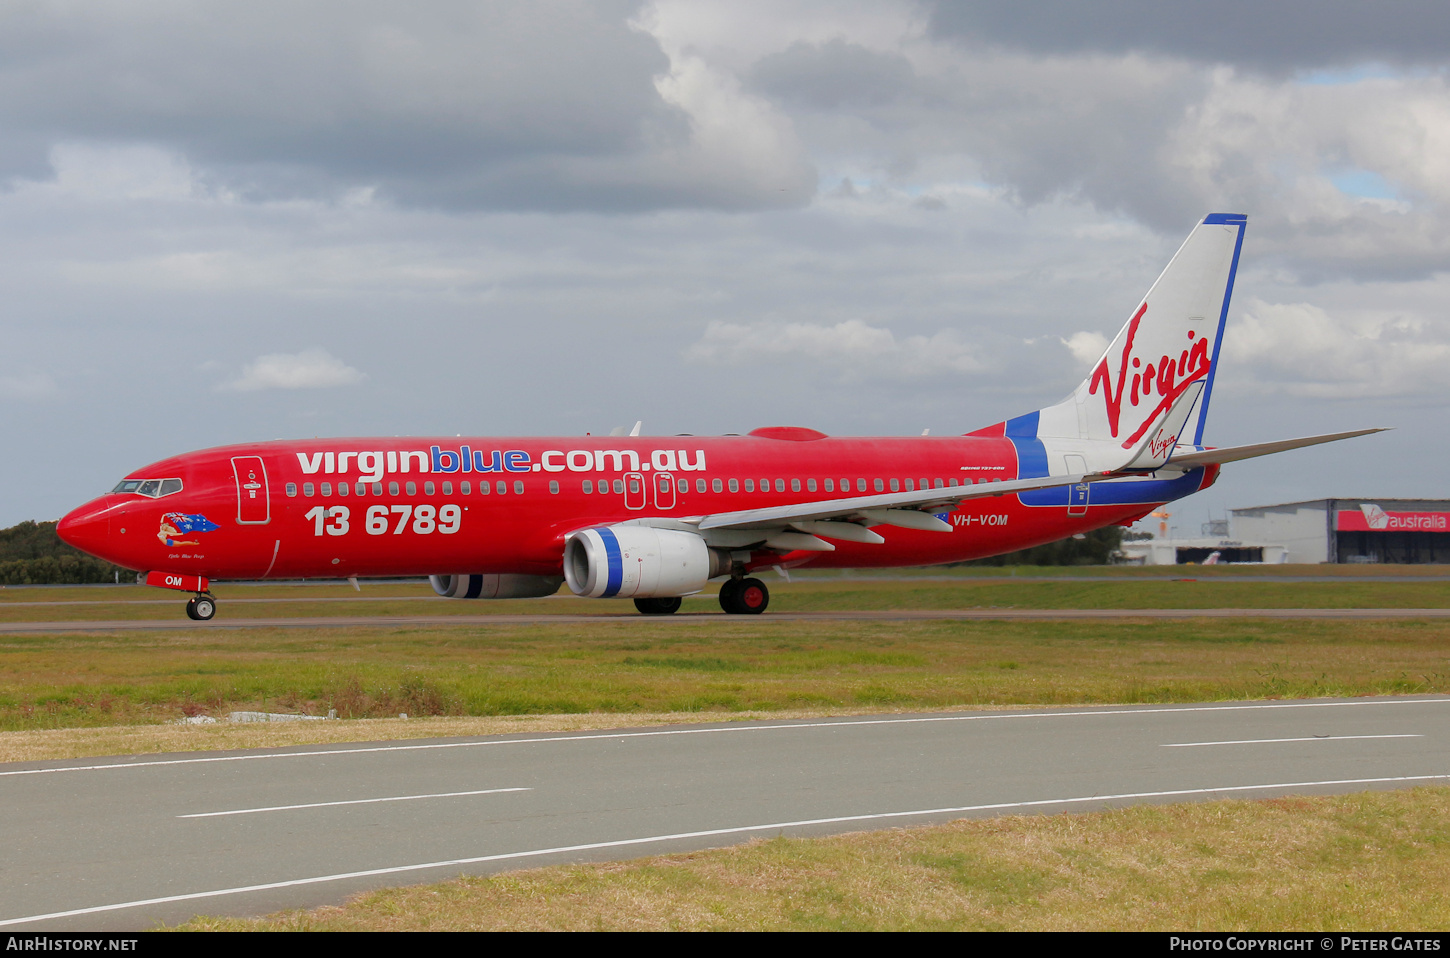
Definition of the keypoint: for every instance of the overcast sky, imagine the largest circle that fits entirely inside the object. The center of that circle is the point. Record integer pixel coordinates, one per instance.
(229, 222)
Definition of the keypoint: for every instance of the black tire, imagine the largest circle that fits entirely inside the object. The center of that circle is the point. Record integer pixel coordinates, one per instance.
(191, 608)
(202, 608)
(667, 605)
(729, 596)
(753, 597)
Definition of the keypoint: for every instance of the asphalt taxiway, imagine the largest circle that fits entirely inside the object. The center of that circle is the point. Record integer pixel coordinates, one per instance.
(125, 843)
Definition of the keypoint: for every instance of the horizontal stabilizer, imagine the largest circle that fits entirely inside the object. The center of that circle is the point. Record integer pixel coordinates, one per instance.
(1235, 453)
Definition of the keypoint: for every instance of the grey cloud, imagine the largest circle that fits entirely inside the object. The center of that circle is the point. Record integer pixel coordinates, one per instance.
(834, 75)
(502, 105)
(1278, 37)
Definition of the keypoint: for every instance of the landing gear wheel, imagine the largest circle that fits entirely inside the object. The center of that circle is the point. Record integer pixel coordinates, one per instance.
(666, 605)
(744, 596)
(201, 608)
(753, 596)
(730, 596)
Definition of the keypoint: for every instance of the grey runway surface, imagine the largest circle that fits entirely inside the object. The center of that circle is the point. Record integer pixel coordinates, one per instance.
(124, 843)
(704, 619)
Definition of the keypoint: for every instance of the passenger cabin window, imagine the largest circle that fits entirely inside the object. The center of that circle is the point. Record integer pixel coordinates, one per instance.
(795, 485)
(307, 489)
(780, 485)
(830, 485)
(810, 485)
(501, 487)
(684, 485)
(428, 488)
(749, 485)
(393, 488)
(464, 487)
(734, 485)
(483, 488)
(879, 486)
(619, 487)
(861, 485)
(553, 487)
(588, 487)
(378, 488)
(716, 486)
(412, 488)
(447, 488)
(518, 487)
(327, 488)
(342, 488)
(292, 489)
(895, 485)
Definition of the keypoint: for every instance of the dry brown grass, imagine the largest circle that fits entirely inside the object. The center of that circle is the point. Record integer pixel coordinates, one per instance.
(1375, 860)
(57, 744)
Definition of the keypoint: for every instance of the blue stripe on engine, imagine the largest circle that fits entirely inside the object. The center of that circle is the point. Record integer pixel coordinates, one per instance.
(1031, 454)
(616, 563)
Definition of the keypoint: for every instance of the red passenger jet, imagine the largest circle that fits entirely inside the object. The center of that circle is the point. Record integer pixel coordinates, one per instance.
(654, 519)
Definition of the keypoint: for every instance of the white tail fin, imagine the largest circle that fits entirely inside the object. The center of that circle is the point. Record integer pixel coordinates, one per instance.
(1151, 388)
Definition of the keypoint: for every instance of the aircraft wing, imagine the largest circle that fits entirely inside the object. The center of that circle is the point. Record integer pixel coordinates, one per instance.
(911, 510)
(1235, 453)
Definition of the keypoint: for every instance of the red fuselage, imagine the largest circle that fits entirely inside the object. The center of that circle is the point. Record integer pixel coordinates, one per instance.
(404, 507)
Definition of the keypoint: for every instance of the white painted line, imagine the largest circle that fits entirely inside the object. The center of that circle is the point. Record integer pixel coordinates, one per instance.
(356, 801)
(708, 833)
(730, 729)
(1270, 741)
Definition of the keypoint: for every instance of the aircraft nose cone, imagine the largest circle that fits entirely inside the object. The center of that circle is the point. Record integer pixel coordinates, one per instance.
(87, 528)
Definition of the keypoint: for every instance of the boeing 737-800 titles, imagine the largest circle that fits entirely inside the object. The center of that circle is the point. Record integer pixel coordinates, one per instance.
(655, 519)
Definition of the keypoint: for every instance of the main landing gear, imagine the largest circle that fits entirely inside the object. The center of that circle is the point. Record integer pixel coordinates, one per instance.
(744, 596)
(201, 608)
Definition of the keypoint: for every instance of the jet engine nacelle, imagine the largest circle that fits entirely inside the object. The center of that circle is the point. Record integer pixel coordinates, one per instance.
(639, 561)
(494, 586)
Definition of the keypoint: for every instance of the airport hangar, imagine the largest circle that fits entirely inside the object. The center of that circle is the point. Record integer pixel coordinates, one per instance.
(1314, 531)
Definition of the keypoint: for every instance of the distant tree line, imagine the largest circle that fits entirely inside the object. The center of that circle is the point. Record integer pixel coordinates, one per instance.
(1095, 548)
(32, 554)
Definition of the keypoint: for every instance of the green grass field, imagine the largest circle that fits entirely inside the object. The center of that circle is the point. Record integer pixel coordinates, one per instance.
(1106, 588)
(618, 665)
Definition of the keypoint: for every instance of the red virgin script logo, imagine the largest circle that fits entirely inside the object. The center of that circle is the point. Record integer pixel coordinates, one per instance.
(1159, 448)
(1166, 379)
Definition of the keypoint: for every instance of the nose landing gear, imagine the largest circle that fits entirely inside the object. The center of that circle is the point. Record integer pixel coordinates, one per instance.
(201, 608)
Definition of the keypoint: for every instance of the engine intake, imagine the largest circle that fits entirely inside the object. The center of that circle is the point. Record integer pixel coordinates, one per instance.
(639, 561)
(505, 586)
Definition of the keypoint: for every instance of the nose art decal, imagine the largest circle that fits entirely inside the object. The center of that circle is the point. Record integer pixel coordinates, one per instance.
(176, 524)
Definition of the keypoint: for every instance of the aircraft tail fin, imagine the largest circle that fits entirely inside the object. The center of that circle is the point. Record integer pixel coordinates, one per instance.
(1151, 388)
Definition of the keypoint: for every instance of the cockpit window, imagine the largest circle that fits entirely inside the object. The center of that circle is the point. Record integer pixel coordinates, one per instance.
(153, 488)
